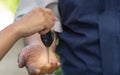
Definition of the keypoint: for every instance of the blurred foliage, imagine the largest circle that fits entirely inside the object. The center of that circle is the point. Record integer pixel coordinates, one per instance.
(58, 72)
(11, 4)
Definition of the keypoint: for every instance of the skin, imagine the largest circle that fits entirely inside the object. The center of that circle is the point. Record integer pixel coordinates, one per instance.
(37, 20)
(34, 56)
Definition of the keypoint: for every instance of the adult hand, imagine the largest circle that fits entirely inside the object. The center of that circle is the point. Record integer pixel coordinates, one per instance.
(34, 57)
(38, 20)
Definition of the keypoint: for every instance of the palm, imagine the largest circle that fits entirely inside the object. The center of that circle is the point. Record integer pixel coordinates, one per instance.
(36, 59)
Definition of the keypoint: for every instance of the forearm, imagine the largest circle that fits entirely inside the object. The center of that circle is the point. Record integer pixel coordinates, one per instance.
(8, 37)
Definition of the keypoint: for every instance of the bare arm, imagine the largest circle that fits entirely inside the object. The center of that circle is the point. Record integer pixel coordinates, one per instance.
(8, 37)
(33, 22)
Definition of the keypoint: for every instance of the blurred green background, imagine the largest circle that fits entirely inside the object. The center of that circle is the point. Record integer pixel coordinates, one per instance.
(12, 6)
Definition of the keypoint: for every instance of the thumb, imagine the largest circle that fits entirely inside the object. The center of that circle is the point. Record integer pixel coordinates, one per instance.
(21, 60)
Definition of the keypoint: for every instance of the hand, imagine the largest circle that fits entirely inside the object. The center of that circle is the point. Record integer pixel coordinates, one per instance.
(37, 20)
(34, 57)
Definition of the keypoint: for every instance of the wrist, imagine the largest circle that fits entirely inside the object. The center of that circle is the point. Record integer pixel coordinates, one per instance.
(15, 29)
(33, 39)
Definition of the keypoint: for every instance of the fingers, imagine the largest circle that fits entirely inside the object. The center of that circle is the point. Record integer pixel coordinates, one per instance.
(36, 20)
(52, 68)
(44, 31)
(37, 71)
(45, 69)
(33, 71)
(51, 20)
(55, 66)
(58, 64)
(50, 13)
(21, 60)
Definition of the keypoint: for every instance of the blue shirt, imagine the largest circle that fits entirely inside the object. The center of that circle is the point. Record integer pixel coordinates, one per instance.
(90, 41)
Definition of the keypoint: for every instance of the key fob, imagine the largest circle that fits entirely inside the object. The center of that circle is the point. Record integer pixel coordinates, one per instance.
(47, 38)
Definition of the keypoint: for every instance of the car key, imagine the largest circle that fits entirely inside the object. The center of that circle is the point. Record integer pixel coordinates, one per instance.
(47, 40)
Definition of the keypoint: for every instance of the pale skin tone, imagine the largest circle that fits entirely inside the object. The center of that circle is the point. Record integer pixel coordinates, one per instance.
(37, 20)
(34, 56)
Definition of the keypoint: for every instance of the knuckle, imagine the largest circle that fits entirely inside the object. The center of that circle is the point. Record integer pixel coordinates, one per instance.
(54, 62)
(48, 66)
(52, 23)
(43, 19)
(34, 72)
(53, 17)
(37, 72)
(36, 8)
(31, 72)
(58, 65)
(49, 10)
